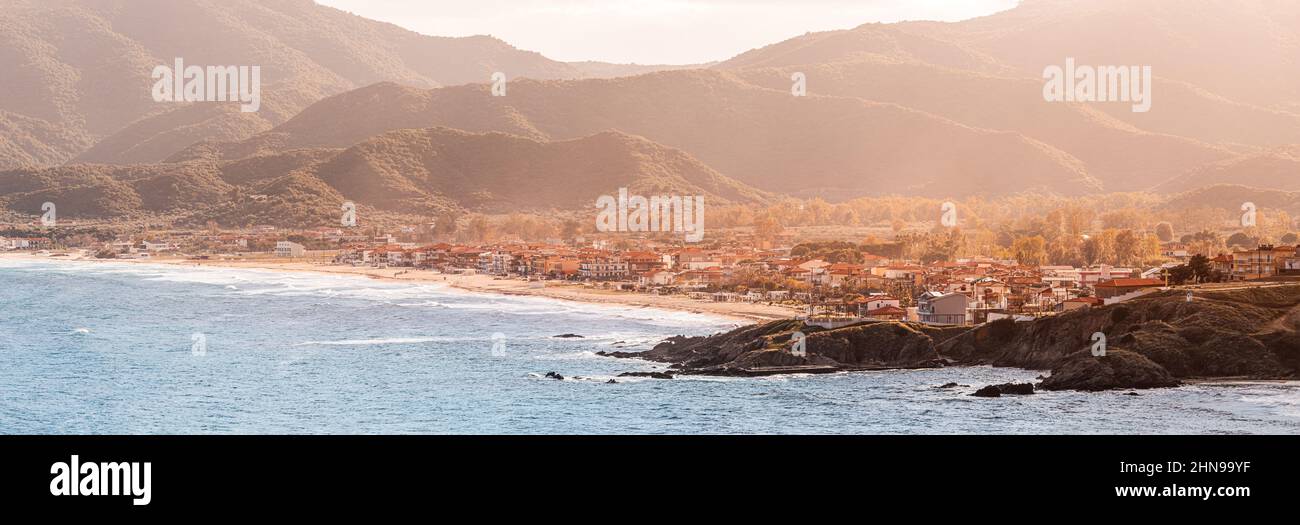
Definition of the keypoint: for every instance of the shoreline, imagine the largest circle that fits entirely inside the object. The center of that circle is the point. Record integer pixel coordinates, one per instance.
(746, 313)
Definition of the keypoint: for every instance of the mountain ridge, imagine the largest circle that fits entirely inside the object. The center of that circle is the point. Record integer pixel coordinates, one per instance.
(411, 171)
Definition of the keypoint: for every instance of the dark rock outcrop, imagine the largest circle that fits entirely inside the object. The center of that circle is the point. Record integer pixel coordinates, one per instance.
(765, 349)
(1155, 340)
(654, 375)
(1119, 368)
(1008, 389)
(553, 375)
(1234, 333)
(567, 336)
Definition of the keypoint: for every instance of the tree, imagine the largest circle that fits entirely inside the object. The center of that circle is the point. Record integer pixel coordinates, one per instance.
(479, 228)
(1180, 274)
(1205, 242)
(1127, 247)
(570, 229)
(767, 227)
(1124, 219)
(1030, 251)
(1274, 224)
(1200, 268)
(445, 225)
(1149, 248)
(1099, 248)
(1064, 250)
(1165, 232)
(1241, 240)
(1077, 220)
(942, 247)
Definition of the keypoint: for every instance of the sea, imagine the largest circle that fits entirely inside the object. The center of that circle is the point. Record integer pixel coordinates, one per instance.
(89, 347)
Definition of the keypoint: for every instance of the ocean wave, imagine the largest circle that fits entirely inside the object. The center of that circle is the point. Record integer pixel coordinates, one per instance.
(391, 341)
(279, 283)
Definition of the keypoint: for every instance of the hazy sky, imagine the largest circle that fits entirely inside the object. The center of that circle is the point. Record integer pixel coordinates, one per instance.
(652, 31)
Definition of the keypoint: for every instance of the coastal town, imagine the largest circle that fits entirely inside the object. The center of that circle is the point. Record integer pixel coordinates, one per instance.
(798, 280)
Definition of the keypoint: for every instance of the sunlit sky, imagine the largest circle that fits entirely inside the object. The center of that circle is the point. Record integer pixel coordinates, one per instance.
(652, 31)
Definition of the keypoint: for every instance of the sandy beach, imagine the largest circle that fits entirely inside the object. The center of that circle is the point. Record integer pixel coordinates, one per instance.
(740, 312)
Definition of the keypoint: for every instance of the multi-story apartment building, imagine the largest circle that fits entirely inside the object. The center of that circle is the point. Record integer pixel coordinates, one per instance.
(603, 268)
(1264, 261)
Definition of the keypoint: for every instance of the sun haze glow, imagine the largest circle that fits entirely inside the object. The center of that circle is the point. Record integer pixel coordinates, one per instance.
(652, 31)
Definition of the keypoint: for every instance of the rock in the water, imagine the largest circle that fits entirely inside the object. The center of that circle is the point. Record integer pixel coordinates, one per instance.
(950, 385)
(1016, 389)
(655, 375)
(765, 348)
(611, 382)
(1119, 368)
(555, 376)
(567, 336)
(1010, 389)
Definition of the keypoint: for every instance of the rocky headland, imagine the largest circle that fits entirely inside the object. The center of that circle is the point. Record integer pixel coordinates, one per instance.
(1158, 340)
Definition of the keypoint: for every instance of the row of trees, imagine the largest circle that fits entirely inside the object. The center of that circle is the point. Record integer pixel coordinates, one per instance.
(1026, 214)
(1071, 229)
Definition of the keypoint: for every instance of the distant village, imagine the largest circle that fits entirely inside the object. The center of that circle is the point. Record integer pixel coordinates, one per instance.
(734, 269)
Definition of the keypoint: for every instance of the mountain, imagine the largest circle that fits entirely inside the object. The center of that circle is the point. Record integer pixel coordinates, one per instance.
(1229, 197)
(1277, 168)
(914, 108)
(869, 41)
(766, 138)
(411, 171)
(1012, 104)
(83, 67)
(1244, 51)
(987, 127)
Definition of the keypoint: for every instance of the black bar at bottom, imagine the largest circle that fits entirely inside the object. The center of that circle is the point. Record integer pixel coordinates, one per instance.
(323, 473)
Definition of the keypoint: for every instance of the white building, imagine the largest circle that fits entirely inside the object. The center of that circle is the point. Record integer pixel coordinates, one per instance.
(942, 309)
(289, 249)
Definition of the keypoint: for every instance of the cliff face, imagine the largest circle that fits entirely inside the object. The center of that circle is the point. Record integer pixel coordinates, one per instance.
(1237, 333)
(1118, 369)
(1152, 342)
(766, 348)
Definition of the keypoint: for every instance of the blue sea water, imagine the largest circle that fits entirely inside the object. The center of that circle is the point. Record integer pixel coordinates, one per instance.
(109, 348)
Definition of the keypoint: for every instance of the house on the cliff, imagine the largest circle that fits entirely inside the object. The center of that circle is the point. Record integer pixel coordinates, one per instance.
(942, 308)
